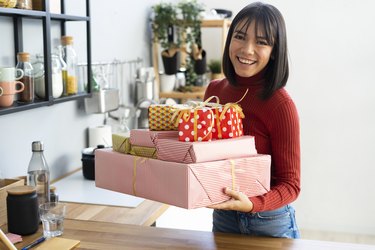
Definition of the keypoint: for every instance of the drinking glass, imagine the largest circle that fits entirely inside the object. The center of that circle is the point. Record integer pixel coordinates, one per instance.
(52, 216)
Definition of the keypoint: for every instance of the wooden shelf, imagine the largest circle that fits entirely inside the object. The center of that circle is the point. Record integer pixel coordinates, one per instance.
(197, 93)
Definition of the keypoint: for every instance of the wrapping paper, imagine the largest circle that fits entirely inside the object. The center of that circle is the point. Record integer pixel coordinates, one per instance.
(228, 121)
(195, 124)
(146, 138)
(160, 116)
(191, 152)
(178, 184)
(121, 144)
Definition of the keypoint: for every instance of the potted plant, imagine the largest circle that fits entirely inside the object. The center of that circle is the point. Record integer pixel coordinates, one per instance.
(215, 68)
(190, 23)
(163, 27)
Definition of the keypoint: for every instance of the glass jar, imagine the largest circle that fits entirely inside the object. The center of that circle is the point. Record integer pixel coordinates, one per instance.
(23, 62)
(39, 83)
(70, 58)
(39, 77)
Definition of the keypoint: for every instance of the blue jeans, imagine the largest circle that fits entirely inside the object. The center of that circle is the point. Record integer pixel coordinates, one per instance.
(279, 223)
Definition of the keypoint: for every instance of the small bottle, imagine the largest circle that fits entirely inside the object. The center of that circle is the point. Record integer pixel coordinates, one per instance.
(70, 58)
(38, 173)
(22, 210)
(23, 62)
(53, 196)
(64, 69)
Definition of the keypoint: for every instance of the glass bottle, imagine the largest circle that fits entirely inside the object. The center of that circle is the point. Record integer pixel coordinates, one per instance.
(57, 76)
(23, 62)
(70, 58)
(38, 172)
(64, 69)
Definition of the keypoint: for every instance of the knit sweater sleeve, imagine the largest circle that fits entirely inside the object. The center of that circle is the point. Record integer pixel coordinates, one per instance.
(284, 132)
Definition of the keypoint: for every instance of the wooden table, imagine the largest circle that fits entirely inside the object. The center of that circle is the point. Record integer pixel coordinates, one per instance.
(113, 236)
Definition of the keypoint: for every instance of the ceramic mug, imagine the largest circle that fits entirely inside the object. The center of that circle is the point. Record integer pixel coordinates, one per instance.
(8, 74)
(8, 90)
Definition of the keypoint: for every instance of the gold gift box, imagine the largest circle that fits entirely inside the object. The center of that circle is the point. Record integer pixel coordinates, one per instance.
(160, 117)
(121, 144)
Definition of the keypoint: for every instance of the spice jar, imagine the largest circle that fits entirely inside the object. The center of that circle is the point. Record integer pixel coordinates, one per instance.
(22, 210)
(23, 62)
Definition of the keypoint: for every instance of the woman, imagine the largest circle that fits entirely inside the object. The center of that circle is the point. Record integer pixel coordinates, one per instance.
(255, 61)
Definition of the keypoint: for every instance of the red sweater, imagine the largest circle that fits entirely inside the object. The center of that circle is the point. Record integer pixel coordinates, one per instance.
(275, 125)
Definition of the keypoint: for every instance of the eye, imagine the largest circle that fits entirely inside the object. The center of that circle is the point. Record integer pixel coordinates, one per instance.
(262, 42)
(239, 36)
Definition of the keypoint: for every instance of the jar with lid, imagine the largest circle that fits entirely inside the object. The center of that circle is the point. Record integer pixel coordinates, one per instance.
(23, 62)
(22, 210)
(38, 172)
(70, 58)
(39, 77)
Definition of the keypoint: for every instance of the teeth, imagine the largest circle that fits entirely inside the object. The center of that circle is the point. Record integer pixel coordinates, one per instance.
(242, 60)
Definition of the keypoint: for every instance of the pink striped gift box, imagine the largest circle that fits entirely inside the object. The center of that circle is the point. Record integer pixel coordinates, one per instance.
(183, 185)
(191, 152)
(146, 137)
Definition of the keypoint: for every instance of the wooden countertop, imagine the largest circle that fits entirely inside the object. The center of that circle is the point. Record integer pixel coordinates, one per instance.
(144, 214)
(102, 235)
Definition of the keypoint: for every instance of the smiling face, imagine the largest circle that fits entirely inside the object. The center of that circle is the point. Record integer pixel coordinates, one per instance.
(249, 50)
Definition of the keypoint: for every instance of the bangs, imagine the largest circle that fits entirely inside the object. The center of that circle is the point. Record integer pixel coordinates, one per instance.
(264, 27)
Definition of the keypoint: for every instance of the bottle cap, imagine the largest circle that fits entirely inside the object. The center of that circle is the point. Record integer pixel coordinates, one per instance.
(67, 40)
(23, 56)
(37, 146)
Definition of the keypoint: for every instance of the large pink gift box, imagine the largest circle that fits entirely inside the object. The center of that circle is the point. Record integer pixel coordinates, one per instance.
(179, 184)
(203, 151)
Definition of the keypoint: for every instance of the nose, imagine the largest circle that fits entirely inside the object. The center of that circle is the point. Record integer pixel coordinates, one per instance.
(248, 48)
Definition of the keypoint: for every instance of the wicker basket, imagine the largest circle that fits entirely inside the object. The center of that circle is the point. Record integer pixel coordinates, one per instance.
(8, 3)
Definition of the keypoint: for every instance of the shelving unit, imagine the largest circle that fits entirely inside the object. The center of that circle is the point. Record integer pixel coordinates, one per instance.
(18, 16)
(224, 24)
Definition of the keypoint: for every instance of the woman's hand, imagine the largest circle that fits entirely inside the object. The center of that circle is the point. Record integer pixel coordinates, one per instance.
(239, 202)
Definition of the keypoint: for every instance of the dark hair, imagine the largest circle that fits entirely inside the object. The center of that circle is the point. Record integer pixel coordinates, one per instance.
(268, 19)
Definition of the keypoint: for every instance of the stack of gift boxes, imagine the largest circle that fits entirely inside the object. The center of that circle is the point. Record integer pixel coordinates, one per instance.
(186, 158)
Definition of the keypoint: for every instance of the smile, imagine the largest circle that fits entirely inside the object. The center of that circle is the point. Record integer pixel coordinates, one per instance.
(246, 61)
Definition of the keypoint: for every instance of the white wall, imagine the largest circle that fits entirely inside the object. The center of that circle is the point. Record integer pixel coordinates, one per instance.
(331, 46)
(331, 51)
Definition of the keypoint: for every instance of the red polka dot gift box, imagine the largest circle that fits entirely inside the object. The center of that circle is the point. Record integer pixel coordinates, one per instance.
(195, 124)
(228, 121)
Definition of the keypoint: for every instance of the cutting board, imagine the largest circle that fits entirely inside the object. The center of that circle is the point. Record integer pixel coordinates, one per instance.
(58, 243)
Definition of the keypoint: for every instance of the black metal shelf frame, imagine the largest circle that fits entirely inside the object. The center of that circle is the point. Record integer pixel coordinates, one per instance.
(18, 16)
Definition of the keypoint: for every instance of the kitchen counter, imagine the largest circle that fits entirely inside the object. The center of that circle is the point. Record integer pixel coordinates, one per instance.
(103, 235)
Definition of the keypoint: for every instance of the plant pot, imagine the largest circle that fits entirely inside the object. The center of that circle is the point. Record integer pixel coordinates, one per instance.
(167, 82)
(170, 64)
(200, 65)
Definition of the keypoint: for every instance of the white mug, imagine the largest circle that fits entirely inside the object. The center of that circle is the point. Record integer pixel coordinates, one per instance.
(10, 74)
